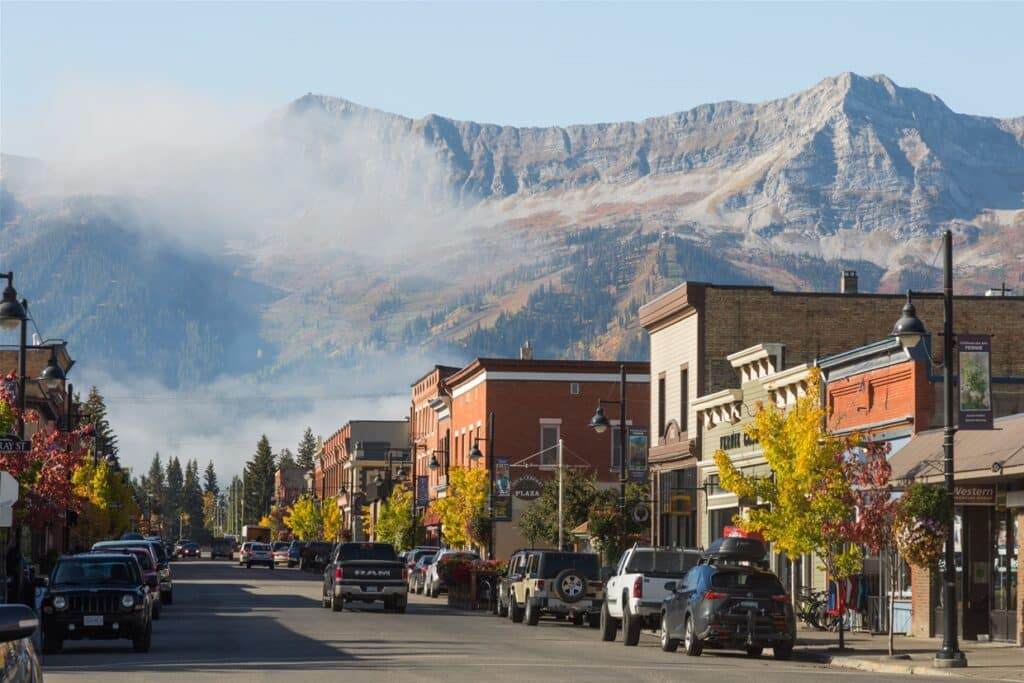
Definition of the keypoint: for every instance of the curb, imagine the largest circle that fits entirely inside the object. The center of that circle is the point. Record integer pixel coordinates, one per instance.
(874, 666)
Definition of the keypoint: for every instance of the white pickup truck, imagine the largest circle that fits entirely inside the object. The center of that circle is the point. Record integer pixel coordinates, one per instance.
(645, 576)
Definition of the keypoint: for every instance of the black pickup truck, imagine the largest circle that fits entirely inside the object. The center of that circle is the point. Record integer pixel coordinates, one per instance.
(366, 572)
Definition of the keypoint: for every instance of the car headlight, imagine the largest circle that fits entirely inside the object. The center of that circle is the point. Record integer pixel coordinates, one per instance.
(127, 600)
(59, 602)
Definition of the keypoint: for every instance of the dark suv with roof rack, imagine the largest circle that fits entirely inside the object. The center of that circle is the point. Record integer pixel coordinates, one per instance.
(730, 601)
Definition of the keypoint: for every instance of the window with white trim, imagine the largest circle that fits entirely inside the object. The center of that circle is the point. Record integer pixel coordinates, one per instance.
(574, 388)
(549, 434)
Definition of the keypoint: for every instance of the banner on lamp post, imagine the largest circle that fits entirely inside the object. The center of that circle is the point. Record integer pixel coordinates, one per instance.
(502, 490)
(974, 352)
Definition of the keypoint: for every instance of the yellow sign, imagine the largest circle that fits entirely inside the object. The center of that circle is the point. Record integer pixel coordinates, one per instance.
(680, 505)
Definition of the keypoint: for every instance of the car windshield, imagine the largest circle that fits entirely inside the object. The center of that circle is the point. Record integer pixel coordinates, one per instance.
(98, 571)
(280, 545)
(367, 551)
(144, 560)
(555, 563)
(759, 582)
(671, 562)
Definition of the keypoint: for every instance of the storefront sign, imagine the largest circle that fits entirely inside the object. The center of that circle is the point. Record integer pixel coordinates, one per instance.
(975, 383)
(974, 495)
(502, 490)
(526, 488)
(736, 440)
(1015, 499)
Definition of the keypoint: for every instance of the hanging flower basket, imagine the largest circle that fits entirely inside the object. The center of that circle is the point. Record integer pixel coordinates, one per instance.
(922, 522)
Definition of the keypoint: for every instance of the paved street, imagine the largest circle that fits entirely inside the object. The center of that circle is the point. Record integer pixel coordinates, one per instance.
(233, 624)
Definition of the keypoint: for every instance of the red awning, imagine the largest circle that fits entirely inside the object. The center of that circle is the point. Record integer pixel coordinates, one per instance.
(431, 518)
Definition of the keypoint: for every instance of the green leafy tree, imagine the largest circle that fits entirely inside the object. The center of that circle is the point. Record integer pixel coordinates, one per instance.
(394, 521)
(285, 459)
(259, 481)
(307, 450)
(610, 529)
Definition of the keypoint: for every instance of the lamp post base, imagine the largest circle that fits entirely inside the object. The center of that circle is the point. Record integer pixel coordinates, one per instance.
(949, 660)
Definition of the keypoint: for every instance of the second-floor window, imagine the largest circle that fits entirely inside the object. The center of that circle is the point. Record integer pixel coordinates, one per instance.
(684, 395)
(549, 444)
(661, 407)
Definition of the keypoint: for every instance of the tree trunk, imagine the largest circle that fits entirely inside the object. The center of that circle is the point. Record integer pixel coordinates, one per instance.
(893, 584)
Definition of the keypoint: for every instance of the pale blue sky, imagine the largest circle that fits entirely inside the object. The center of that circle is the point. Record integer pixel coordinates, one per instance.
(523, 63)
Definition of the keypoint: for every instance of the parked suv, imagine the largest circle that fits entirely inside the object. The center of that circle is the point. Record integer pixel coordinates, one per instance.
(559, 583)
(730, 601)
(514, 572)
(259, 553)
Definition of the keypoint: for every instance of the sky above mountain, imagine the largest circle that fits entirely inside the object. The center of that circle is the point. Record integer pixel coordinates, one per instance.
(519, 64)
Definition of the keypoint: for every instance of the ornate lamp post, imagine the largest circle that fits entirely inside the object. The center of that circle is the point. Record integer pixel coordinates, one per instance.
(475, 454)
(600, 423)
(910, 330)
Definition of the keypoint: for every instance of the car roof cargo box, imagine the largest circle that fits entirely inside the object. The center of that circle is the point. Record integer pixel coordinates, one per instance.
(734, 550)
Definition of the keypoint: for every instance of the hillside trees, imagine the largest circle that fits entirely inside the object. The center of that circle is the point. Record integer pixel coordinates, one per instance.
(192, 502)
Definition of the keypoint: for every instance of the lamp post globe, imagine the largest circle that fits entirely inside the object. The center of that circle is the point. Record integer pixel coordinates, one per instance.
(474, 453)
(400, 473)
(433, 464)
(378, 480)
(52, 375)
(600, 421)
(909, 329)
(12, 313)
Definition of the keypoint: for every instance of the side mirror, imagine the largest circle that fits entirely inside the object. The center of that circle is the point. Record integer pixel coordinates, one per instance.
(17, 622)
(670, 586)
(42, 582)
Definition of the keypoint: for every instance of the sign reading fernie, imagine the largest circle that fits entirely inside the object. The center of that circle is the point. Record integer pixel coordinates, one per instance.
(975, 381)
(526, 488)
(9, 443)
(974, 495)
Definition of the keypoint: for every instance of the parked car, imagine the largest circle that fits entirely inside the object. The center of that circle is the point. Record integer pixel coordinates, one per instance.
(418, 574)
(513, 572)
(222, 547)
(558, 583)
(725, 604)
(147, 562)
(97, 596)
(17, 654)
(635, 592)
(315, 556)
(365, 572)
(433, 584)
(295, 552)
(279, 549)
(132, 536)
(163, 565)
(259, 553)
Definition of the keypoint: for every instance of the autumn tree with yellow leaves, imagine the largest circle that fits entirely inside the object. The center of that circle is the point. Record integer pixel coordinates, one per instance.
(304, 519)
(108, 505)
(468, 489)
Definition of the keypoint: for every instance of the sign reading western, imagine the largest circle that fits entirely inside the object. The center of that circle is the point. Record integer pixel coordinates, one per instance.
(526, 488)
(975, 351)
(984, 494)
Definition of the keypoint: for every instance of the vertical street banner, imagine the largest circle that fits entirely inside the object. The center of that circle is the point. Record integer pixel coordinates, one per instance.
(974, 352)
(637, 462)
(422, 491)
(502, 490)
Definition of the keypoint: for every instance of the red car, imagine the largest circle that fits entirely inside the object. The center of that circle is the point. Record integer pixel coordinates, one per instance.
(149, 572)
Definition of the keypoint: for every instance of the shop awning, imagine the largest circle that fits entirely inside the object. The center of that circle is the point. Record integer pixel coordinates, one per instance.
(977, 454)
(431, 518)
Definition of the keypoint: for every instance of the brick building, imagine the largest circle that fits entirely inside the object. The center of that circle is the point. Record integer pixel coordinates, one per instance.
(429, 396)
(696, 326)
(535, 403)
(289, 484)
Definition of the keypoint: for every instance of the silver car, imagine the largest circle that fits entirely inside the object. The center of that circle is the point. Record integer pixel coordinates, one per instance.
(259, 553)
(433, 585)
(418, 574)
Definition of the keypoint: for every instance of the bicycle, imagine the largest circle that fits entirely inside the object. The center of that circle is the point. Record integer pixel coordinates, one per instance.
(811, 608)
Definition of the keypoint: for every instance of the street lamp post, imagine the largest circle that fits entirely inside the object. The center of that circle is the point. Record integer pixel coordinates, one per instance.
(475, 454)
(434, 465)
(910, 330)
(12, 314)
(600, 423)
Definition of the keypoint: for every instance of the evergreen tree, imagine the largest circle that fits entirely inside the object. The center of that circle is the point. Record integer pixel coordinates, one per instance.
(173, 507)
(192, 499)
(156, 494)
(259, 482)
(210, 480)
(307, 450)
(94, 412)
(285, 459)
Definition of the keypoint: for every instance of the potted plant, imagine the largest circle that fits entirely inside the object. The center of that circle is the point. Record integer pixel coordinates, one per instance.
(923, 517)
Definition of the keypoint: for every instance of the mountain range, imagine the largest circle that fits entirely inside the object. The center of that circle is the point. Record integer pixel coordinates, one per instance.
(452, 239)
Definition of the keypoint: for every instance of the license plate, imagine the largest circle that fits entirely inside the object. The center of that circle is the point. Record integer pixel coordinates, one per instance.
(749, 603)
(93, 620)
(370, 589)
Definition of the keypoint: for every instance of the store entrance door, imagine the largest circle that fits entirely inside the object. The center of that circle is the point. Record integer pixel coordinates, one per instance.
(1005, 552)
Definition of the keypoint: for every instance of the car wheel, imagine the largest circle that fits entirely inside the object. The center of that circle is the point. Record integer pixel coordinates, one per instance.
(400, 605)
(167, 597)
(630, 627)
(532, 613)
(593, 620)
(52, 645)
(668, 644)
(248, 565)
(783, 652)
(754, 651)
(515, 612)
(325, 601)
(337, 602)
(691, 643)
(142, 641)
(608, 626)
(502, 609)
(270, 566)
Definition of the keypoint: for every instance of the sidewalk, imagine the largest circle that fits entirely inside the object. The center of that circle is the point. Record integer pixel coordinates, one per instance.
(985, 661)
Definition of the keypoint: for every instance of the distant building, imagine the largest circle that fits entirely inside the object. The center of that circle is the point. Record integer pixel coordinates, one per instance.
(289, 484)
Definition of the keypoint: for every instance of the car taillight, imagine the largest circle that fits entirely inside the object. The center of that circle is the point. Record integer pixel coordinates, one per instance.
(540, 585)
(338, 573)
(638, 587)
(712, 595)
(780, 598)
(405, 575)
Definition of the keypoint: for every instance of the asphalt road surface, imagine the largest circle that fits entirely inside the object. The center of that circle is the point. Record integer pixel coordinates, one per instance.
(230, 624)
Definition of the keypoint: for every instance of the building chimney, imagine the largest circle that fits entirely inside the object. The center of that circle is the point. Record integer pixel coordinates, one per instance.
(848, 285)
(526, 351)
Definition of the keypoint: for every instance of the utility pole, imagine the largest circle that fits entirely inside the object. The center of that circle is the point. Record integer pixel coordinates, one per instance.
(561, 490)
